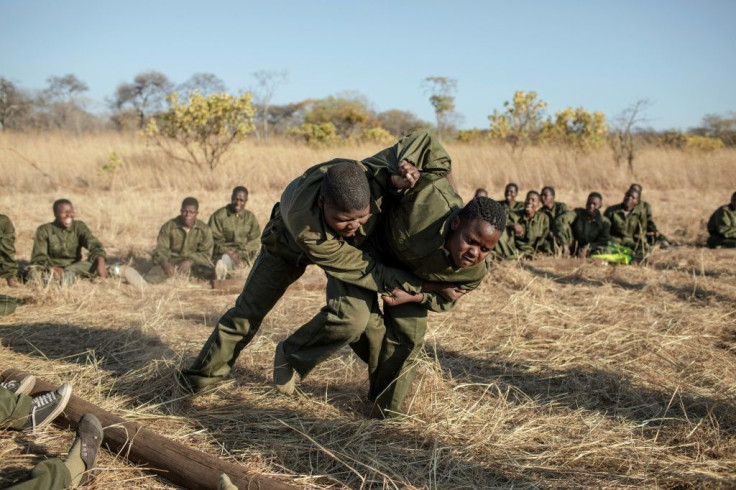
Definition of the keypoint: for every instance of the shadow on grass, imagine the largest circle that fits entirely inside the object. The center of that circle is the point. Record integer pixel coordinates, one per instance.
(606, 392)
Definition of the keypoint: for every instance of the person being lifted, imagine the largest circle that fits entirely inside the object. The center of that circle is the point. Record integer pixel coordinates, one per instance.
(321, 219)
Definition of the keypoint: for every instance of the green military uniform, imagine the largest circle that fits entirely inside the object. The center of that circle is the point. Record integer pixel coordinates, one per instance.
(722, 228)
(296, 236)
(557, 210)
(628, 229)
(235, 232)
(412, 237)
(414, 234)
(518, 206)
(176, 244)
(536, 232)
(651, 227)
(55, 246)
(579, 231)
(8, 265)
(49, 474)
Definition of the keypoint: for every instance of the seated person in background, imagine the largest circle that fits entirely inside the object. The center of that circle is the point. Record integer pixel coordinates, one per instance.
(57, 247)
(628, 223)
(480, 192)
(653, 235)
(509, 202)
(236, 234)
(184, 245)
(553, 210)
(526, 231)
(20, 411)
(722, 226)
(584, 231)
(8, 265)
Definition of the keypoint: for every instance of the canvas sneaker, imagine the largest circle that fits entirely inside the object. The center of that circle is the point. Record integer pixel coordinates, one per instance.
(89, 435)
(134, 278)
(22, 387)
(283, 374)
(48, 406)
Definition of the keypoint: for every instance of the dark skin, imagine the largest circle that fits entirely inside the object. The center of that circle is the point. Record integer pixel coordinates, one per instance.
(531, 204)
(631, 199)
(732, 205)
(469, 243)
(237, 204)
(592, 208)
(64, 218)
(510, 194)
(187, 218)
(548, 199)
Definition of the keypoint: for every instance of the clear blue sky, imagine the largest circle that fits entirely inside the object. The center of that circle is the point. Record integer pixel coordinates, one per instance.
(603, 55)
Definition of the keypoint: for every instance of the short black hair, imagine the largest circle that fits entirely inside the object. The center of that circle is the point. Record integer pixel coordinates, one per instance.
(533, 193)
(512, 184)
(239, 189)
(595, 194)
(57, 204)
(550, 189)
(733, 196)
(346, 187)
(636, 187)
(481, 189)
(486, 209)
(190, 201)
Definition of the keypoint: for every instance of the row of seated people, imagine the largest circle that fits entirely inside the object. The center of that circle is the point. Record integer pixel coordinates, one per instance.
(184, 245)
(540, 225)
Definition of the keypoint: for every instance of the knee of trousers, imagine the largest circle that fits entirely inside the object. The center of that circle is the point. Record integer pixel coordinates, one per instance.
(347, 324)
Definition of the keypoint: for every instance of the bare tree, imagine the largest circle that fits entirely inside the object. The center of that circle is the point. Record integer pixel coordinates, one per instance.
(65, 88)
(623, 141)
(61, 103)
(268, 81)
(145, 95)
(441, 90)
(14, 105)
(204, 83)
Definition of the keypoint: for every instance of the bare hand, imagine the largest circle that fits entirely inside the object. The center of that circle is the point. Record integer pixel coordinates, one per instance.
(518, 230)
(583, 253)
(185, 266)
(235, 258)
(168, 268)
(566, 250)
(399, 297)
(12, 282)
(58, 272)
(101, 267)
(407, 177)
(448, 290)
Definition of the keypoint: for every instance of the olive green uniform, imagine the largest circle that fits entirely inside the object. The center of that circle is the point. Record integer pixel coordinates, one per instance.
(651, 227)
(518, 206)
(46, 475)
(55, 246)
(534, 237)
(557, 210)
(579, 231)
(722, 228)
(8, 265)
(175, 244)
(628, 229)
(235, 232)
(296, 236)
(414, 234)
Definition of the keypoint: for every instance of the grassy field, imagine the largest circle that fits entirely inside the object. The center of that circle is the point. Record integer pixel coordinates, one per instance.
(551, 374)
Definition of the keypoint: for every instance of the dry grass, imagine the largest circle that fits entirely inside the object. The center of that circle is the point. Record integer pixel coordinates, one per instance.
(562, 374)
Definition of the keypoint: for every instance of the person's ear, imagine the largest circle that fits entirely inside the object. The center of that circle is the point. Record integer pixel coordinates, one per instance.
(455, 223)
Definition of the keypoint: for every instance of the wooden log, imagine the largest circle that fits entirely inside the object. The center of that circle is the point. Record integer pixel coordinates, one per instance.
(176, 462)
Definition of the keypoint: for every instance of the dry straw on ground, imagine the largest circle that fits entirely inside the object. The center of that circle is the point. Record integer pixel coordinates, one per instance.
(562, 374)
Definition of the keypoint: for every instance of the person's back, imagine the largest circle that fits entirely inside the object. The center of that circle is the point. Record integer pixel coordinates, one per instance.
(722, 226)
(8, 265)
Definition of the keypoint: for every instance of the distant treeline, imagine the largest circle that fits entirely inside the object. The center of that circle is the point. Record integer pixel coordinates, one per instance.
(348, 117)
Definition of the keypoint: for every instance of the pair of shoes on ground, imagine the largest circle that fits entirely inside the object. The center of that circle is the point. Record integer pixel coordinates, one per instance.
(284, 376)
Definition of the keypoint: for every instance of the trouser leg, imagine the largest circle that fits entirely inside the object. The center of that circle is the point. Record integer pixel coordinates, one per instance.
(340, 322)
(266, 283)
(83, 268)
(405, 328)
(14, 409)
(51, 474)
